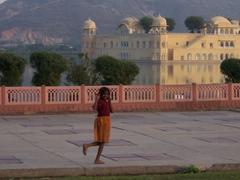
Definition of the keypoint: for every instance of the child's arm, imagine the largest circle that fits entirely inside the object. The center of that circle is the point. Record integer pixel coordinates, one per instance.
(110, 105)
(94, 106)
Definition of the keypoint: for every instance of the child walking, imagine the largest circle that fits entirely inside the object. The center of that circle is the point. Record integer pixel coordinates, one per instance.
(102, 124)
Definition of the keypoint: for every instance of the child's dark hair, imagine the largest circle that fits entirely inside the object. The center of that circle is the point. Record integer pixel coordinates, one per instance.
(103, 90)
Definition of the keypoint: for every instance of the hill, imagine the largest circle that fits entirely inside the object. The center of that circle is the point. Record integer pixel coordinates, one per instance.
(60, 21)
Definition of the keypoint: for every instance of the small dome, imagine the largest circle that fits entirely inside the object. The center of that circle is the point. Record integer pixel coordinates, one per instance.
(235, 22)
(129, 21)
(219, 20)
(159, 21)
(89, 24)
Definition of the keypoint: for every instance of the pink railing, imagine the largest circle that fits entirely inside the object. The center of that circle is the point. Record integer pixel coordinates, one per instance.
(22, 95)
(80, 98)
(207, 92)
(63, 95)
(139, 94)
(176, 93)
(91, 91)
(236, 91)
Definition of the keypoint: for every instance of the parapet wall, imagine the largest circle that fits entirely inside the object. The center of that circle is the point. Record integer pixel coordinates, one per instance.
(60, 99)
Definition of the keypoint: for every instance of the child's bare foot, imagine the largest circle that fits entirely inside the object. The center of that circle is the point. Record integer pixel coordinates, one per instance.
(99, 162)
(85, 149)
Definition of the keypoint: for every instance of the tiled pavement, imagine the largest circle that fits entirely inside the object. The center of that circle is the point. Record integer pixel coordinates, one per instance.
(151, 139)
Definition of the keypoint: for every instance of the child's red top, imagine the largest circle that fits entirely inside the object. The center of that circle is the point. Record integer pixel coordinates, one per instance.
(103, 107)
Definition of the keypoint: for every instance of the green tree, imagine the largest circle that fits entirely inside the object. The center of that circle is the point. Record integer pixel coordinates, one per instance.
(11, 69)
(146, 23)
(231, 69)
(194, 23)
(171, 24)
(49, 67)
(129, 71)
(113, 71)
(83, 72)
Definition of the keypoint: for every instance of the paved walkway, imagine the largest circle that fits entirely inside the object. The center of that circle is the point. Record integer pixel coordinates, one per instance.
(39, 145)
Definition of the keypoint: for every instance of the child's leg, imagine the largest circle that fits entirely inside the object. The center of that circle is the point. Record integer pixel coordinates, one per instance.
(86, 146)
(100, 149)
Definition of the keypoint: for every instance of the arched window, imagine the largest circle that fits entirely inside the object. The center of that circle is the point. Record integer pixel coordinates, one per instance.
(198, 57)
(210, 56)
(222, 57)
(227, 44)
(143, 44)
(189, 56)
(138, 44)
(231, 44)
(204, 57)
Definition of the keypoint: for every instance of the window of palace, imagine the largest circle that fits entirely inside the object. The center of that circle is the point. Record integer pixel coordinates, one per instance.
(222, 43)
(143, 44)
(187, 43)
(226, 56)
(177, 43)
(124, 55)
(211, 45)
(226, 44)
(204, 57)
(222, 31)
(124, 44)
(189, 56)
(231, 31)
(104, 45)
(203, 45)
(231, 44)
(222, 57)
(198, 57)
(210, 56)
(111, 44)
(116, 44)
(138, 44)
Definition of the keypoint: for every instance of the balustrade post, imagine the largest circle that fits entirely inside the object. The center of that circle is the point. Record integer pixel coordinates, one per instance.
(44, 94)
(83, 94)
(157, 93)
(194, 92)
(120, 93)
(3, 95)
(230, 92)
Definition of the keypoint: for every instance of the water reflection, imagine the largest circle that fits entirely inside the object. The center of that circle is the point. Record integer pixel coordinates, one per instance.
(179, 73)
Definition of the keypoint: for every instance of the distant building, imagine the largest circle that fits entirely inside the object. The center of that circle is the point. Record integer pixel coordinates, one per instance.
(182, 57)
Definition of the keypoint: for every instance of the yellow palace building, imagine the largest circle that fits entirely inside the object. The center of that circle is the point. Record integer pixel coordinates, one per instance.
(164, 57)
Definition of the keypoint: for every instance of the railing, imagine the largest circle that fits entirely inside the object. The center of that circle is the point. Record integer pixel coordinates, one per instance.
(176, 93)
(212, 92)
(63, 95)
(80, 98)
(22, 95)
(236, 91)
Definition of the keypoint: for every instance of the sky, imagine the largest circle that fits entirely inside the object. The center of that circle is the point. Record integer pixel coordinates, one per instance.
(1, 1)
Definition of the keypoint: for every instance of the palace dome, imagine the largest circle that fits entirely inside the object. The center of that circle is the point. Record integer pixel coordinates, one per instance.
(89, 24)
(159, 21)
(220, 20)
(129, 21)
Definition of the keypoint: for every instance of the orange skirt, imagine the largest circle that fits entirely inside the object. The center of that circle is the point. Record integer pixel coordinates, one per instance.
(102, 126)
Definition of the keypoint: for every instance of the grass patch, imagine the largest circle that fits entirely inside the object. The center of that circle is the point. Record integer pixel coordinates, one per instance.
(192, 176)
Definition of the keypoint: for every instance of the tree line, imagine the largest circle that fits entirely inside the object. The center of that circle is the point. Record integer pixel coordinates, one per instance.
(49, 67)
(193, 23)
